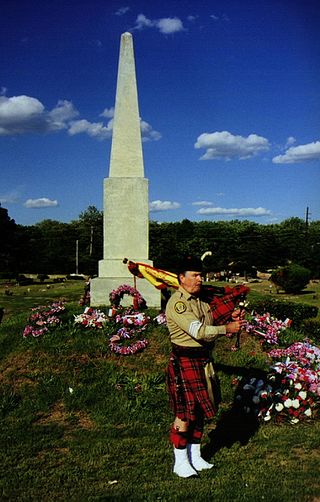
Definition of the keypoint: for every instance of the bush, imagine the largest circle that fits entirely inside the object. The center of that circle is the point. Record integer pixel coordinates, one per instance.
(7, 275)
(311, 328)
(297, 312)
(291, 278)
(290, 336)
(22, 280)
(42, 277)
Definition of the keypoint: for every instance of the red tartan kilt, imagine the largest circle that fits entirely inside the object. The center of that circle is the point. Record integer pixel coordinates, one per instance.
(187, 387)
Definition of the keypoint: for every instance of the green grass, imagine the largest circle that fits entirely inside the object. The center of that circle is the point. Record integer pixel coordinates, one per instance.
(81, 424)
(310, 295)
(23, 298)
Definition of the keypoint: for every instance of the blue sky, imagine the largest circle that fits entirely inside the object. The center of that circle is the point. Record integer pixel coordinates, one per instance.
(229, 97)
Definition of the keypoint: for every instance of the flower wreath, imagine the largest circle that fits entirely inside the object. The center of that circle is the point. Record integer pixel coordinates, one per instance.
(91, 318)
(43, 318)
(132, 323)
(116, 295)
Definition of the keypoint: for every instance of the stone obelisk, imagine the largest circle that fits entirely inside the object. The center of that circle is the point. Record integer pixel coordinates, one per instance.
(126, 197)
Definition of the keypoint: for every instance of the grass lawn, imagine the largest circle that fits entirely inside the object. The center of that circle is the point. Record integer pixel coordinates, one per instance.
(79, 423)
(23, 298)
(310, 295)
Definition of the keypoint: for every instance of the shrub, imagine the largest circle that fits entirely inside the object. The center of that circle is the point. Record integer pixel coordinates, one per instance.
(42, 277)
(22, 280)
(311, 328)
(7, 275)
(290, 336)
(291, 278)
(297, 312)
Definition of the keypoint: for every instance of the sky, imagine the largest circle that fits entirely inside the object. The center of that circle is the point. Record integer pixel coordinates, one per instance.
(229, 100)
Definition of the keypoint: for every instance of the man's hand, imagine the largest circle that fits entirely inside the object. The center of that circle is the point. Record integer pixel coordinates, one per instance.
(238, 314)
(235, 326)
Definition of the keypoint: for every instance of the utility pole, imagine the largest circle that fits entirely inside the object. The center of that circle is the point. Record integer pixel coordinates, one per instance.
(77, 256)
(91, 241)
(307, 218)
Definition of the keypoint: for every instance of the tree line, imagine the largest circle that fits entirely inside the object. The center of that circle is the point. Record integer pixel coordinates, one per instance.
(53, 247)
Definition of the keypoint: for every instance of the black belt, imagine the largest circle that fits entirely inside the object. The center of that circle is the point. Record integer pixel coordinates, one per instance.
(181, 351)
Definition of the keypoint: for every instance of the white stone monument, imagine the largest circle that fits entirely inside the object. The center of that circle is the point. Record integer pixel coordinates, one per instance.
(126, 196)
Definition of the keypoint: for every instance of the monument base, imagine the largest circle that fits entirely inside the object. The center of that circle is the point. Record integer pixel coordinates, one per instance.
(114, 267)
(101, 287)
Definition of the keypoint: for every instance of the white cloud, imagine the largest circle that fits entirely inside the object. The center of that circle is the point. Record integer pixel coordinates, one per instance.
(101, 132)
(122, 11)
(224, 17)
(10, 198)
(290, 141)
(165, 25)
(25, 114)
(165, 205)
(40, 203)
(18, 112)
(62, 114)
(202, 203)
(143, 22)
(94, 129)
(244, 211)
(96, 43)
(224, 145)
(301, 153)
(148, 133)
(170, 25)
(108, 113)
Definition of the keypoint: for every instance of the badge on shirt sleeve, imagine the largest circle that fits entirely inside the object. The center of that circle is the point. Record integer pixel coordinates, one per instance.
(180, 307)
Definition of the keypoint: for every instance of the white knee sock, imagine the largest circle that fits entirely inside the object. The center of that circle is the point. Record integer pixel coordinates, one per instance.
(195, 457)
(182, 465)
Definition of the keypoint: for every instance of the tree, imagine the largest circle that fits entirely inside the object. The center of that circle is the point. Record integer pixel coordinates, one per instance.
(291, 278)
(8, 232)
(54, 245)
(163, 248)
(89, 230)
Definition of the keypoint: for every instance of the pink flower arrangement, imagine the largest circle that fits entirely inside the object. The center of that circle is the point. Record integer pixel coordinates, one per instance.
(161, 319)
(266, 327)
(43, 318)
(116, 295)
(291, 391)
(132, 319)
(302, 365)
(91, 318)
(127, 350)
(131, 323)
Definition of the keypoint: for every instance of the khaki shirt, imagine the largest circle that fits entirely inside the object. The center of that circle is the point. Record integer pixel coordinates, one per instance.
(189, 320)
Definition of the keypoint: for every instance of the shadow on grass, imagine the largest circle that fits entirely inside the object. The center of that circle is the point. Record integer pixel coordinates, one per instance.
(234, 425)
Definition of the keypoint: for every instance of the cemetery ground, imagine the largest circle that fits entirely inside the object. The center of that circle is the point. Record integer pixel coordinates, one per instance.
(80, 423)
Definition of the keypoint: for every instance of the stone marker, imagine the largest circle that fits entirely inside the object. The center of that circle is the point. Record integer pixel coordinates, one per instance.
(126, 197)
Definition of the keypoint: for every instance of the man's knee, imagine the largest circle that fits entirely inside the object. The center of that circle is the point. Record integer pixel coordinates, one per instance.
(181, 425)
(179, 433)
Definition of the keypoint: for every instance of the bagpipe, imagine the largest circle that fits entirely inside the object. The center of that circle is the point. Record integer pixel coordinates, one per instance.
(222, 300)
